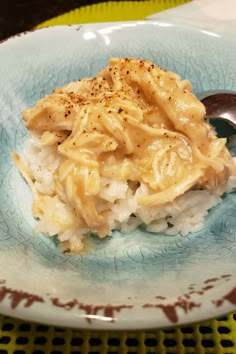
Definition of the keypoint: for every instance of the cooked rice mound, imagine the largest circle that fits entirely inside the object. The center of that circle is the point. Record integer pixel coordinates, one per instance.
(127, 147)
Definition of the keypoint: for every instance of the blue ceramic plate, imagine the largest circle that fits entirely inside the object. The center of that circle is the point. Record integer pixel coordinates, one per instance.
(129, 281)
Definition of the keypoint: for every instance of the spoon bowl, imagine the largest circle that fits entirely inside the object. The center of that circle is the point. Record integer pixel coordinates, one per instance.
(221, 106)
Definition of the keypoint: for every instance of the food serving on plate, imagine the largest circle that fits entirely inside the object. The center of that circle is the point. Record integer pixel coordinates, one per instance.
(127, 147)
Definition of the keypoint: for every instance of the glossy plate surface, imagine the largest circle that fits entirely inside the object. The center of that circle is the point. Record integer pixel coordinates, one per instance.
(129, 281)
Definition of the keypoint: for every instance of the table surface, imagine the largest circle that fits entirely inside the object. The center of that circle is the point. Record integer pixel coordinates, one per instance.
(22, 337)
(21, 15)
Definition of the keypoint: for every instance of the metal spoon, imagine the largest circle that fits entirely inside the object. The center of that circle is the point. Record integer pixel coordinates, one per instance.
(220, 105)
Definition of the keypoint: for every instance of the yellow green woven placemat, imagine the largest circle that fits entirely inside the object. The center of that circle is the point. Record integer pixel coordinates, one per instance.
(22, 337)
(112, 11)
(215, 336)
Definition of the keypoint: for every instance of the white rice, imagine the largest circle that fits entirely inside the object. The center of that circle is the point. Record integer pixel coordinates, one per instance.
(185, 215)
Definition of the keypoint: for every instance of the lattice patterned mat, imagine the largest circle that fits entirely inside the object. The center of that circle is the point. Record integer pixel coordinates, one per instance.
(21, 337)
